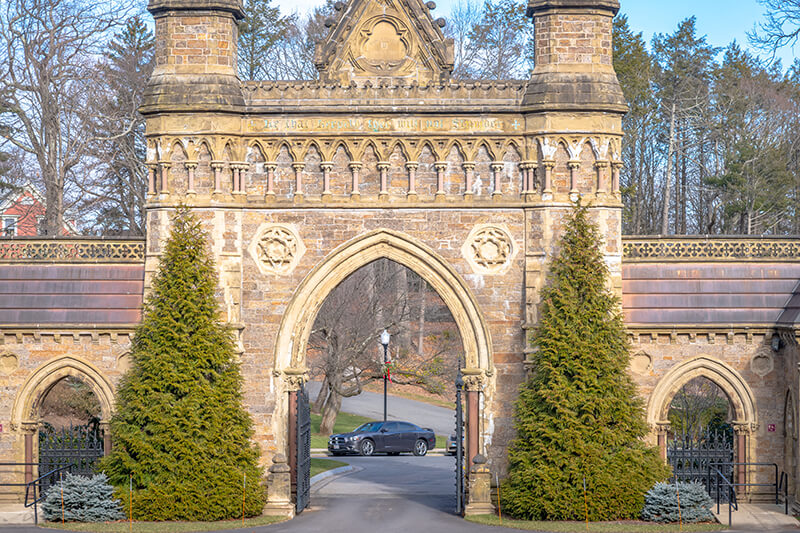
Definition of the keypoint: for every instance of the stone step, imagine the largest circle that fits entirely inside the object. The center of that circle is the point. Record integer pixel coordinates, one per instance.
(11, 514)
(757, 517)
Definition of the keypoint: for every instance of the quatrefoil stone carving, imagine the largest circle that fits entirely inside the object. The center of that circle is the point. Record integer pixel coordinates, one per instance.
(489, 249)
(276, 249)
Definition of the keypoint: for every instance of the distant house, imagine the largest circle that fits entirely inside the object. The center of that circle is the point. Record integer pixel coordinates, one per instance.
(22, 214)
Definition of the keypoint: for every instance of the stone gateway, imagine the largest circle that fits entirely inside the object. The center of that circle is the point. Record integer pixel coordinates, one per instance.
(300, 183)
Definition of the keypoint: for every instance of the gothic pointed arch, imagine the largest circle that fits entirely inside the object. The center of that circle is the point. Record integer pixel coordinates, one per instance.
(35, 388)
(299, 317)
(734, 386)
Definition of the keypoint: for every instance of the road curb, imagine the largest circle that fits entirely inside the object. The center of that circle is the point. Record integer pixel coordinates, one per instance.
(333, 472)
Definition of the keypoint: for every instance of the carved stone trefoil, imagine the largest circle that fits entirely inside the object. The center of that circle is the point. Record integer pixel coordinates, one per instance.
(276, 249)
(489, 249)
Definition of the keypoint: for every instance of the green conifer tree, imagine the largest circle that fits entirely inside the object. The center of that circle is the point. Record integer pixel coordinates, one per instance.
(180, 429)
(578, 414)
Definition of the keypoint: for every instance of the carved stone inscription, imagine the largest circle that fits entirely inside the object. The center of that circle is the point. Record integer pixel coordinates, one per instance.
(409, 124)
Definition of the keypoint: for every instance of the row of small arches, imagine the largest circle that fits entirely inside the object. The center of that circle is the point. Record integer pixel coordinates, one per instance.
(337, 172)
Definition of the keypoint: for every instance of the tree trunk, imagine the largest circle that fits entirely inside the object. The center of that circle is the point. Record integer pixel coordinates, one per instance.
(319, 403)
(329, 412)
(667, 181)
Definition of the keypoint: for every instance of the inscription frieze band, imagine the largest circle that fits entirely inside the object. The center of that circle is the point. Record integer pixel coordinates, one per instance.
(410, 124)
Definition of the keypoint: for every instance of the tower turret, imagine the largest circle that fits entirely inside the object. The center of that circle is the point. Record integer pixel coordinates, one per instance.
(195, 57)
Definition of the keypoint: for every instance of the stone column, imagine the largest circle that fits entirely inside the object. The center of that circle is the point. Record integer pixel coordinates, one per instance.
(190, 167)
(574, 167)
(106, 429)
(440, 167)
(480, 488)
(30, 431)
(469, 172)
(279, 488)
(217, 166)
(298, 181)
(412, 180)
(532, 168)
(742, 432)
(383, 167)
(326, 167)
(616, 166)
(355, 169)
(547, 186)
(497, 192)
(662, 429)
(238, 177)
(270, 194)
(472, 384)
(152, 168)
(164, 167)
(523, 169)
(601, 167)
(294, 379)
(235, 185)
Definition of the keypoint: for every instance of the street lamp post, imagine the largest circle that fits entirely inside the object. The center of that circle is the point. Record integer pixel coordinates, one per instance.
(385, 337)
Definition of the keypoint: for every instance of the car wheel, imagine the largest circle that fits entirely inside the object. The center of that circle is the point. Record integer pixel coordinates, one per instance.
(367, 447)
(420, 447)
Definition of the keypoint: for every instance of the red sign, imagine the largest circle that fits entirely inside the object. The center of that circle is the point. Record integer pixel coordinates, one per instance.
(771, 428)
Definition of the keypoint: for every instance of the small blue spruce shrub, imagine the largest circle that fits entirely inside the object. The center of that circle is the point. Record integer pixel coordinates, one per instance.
(661, 503)
(86, 499)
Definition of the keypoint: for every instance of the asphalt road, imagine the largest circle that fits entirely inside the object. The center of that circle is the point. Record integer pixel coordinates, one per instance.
(386, 495)
(370, 404)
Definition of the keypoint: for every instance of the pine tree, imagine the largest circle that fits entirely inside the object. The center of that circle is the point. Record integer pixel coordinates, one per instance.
(180, 429)
(579, 414)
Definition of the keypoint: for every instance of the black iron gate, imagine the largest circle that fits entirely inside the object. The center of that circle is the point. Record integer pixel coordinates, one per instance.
(690, 456)
(459, 434)
(77, 447)
(303, 450)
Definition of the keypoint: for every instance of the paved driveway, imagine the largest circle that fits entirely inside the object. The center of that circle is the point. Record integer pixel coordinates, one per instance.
(370, 404)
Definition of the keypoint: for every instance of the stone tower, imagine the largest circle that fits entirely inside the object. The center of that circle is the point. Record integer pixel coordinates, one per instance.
(195, 57)
(573, 108)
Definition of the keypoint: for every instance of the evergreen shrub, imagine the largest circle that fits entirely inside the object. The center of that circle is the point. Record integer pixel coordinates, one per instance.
(86, 499)
(578, 416)
(661, 503)
(181, 434)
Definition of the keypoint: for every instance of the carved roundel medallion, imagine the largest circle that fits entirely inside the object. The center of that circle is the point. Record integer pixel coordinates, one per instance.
(489, 249)
(276, 249)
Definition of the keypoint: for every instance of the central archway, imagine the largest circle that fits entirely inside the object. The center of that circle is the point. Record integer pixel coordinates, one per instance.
(298, 320)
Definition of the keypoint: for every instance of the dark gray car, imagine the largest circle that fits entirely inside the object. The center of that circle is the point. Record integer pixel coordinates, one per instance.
(389, 437)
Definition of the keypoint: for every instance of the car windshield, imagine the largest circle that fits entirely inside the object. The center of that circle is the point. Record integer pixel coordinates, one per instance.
(369, 427)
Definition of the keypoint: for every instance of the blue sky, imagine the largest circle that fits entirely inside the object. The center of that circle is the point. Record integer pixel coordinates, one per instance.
(720, 20)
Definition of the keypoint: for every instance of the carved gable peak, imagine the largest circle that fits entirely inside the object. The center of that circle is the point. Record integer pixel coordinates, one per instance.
(380, 39)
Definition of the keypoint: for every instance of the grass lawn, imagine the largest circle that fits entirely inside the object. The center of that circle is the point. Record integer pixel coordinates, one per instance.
(346, 422)
(321, 465)
(594, 527)
(164, 527)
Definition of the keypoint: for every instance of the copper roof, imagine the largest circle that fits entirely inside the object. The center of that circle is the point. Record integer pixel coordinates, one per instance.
(98, 294)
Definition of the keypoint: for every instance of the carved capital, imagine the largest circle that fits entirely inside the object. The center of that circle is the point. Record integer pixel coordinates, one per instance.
(191, 165)
(529, 164)
(601, 164)
(298, 167)
(548, 164)
(662, 427)
(744, 428)
(356, 165)
(468, 165)
(326, 165)
(497, 167)
(440, 166)
(473, 383)
(412, 165)
(295, 378)
(270, 166)
(574, 165)
(384, 165)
